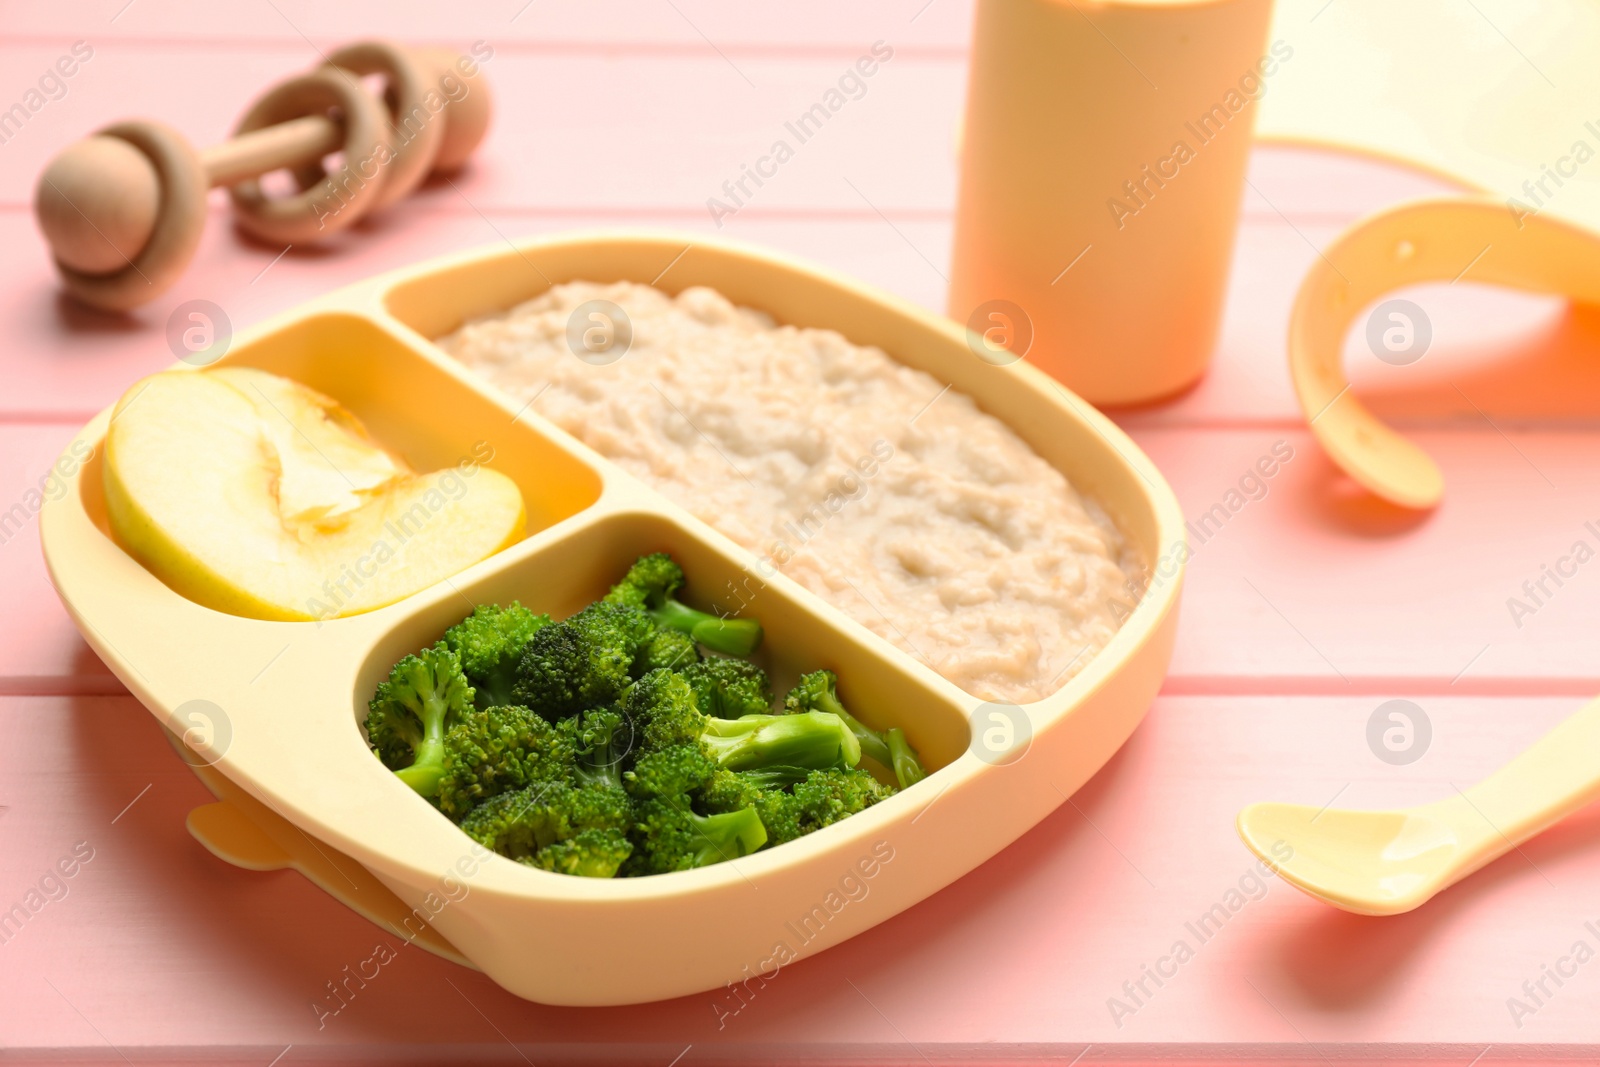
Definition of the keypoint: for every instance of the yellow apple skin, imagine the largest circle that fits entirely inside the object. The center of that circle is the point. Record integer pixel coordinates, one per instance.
(192, 474)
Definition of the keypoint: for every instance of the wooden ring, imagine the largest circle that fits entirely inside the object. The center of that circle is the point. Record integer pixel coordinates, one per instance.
(415, 129)
(179, 220)
(331, 202)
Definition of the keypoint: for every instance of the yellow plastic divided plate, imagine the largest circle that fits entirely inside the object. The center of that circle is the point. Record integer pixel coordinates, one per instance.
(271, 710)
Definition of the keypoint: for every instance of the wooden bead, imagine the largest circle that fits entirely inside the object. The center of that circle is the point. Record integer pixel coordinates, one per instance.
(97, 203)
(179, 219)
(469, 109)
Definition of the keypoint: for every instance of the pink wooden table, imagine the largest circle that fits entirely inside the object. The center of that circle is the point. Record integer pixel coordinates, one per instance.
(1306, 611)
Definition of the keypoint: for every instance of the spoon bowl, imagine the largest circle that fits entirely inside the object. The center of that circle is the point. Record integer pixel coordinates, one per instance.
(1368, 862)
(1389, 862)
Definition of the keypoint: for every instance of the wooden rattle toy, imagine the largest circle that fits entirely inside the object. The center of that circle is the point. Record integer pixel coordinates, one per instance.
(122, 210)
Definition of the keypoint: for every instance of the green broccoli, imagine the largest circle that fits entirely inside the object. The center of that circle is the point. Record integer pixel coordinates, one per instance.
(827, 796)
(729, 791)
(423, 696)
(729, 688)
(688, 768)
(662, 708)
(669, 836)
(776, 776)
(670, 772)
(811, 739)
(588, 853)
(822, 798)
(606, 744)
(672, 649)
(582, 662)
(527, 824)
(599, 739)
(907, 767)
(817, 692)
(497, 750)
(488, 642)
(650, 584)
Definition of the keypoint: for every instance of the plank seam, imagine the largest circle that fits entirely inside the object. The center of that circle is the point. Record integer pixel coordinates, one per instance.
(577, 48)
(805, 214)
(1307, 686)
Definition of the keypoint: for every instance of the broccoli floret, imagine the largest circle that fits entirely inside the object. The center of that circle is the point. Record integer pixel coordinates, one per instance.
(779, 811)
(589, 854)
(423, 696)
(600, 739)
(672, 649)
(729, 688)
(525, 824)
(822, 798)
(580, 663)
(670, 772)
(662, 708)
(731, 790)
(488, 643)
(497, 750)
(650, 584)
(817, 692)
(651, 580)
(669, 836)
(827, 796)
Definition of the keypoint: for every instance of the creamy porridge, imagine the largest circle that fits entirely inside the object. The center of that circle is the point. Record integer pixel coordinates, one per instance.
(897, 501)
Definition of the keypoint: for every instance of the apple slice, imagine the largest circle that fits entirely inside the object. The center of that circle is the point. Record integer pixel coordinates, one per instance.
(329, 463)
(258, 496)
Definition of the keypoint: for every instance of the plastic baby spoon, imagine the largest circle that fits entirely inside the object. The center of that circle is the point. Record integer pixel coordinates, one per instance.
(1388, 862)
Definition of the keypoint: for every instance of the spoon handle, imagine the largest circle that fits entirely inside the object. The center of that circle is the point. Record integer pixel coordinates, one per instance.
(1552, 778)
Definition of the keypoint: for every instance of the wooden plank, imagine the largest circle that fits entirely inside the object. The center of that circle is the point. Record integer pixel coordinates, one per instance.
(695, 25)
(41, 651)
(1316, 585)
(1307, 184)
(574, 130)
(1518, 359)
(1522, 361)
(69, 362)
(1059, 921)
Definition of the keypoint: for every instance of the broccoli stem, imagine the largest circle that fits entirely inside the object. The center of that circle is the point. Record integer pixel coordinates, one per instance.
(427, 769)
(777, 776)
(908, 769)
(810, 739)
(599, 745)
(726, 837)
(608, 775)
(495, 691)
(598, 768)
(732, 637)
(872, 743)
